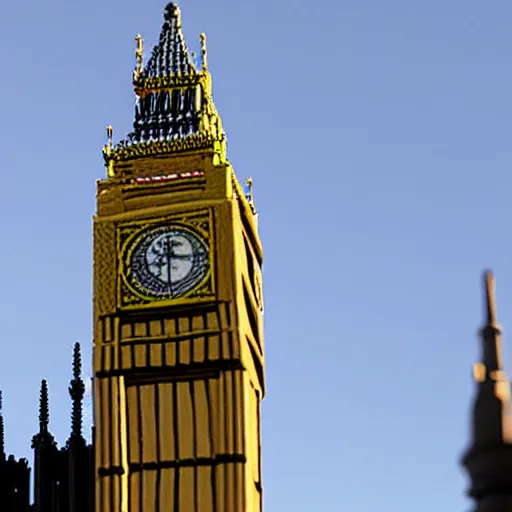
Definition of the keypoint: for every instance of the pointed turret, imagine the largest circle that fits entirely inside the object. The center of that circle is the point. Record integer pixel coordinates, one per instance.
(44, 408)
(174, 110)
(489, 457)
(76, 392)
(2, 434)
(45, 456)
(43, 436)
(79, 470)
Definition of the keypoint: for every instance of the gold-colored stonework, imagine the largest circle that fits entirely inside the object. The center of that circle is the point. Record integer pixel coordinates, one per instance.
(105, 260)
(178, 324)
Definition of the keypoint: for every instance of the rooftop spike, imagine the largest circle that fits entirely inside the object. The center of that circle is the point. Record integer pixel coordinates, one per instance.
(204, 53)
(139, 56)
(490, 301)
(44, 408)
(43, 436)
(490, 334)
(76, 392)
(2, 435)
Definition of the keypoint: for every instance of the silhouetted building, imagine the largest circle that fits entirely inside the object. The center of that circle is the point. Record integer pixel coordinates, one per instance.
(63, 477)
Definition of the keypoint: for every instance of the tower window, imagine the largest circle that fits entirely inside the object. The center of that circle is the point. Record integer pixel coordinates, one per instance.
(251, 315)
(250, 264)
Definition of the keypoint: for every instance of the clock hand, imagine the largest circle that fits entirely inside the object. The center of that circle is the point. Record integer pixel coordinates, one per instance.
(181, 256)
(168, 253)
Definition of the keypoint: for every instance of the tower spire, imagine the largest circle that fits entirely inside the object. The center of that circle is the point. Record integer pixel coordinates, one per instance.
(2, 435)
(490, 333)
(76, 392)
(44, 408)
(489, 457)
(43, 436)
(174, 110)
(490, 301)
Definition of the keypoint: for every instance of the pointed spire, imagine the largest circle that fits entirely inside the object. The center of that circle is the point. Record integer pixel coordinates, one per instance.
(490, 301)
(490, 334)
(174, 109)
(204, 53)
(43, 436)
(171, 55)
(44, 408)
(139, 56)
(76, 392)
(2, 435)
(489, 455)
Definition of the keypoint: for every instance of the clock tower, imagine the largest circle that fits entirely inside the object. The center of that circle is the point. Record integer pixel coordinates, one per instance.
(178, 341)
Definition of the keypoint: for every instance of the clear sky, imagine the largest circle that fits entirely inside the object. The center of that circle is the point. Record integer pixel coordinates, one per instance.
(378, 137)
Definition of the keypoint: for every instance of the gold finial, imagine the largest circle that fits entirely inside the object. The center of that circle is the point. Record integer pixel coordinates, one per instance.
(250, 195)
(139, 55)
(109, 137)
(204, 53)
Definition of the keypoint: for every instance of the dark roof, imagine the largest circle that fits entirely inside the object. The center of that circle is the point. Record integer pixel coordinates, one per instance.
(174, 108)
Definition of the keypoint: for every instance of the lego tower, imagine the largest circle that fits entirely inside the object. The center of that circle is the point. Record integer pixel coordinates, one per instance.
(178, 342)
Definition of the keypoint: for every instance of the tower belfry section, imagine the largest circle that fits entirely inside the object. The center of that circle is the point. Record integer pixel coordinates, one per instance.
(178, 330)
(488, 459)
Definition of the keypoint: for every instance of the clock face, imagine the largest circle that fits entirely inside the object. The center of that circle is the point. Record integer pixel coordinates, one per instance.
(168, 261)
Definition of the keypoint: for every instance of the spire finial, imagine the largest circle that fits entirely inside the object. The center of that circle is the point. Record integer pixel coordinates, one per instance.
(139, 55)
(2, 438)
(110, 132)
(490, 301)
(76, 392)
(250, 195)
(172, 11)
(44, 409)
(43, 437)
(204, 53)
(491, 365)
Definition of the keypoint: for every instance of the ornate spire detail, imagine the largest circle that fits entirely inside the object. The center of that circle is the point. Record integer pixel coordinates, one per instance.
(76, 392)
(43, 436)
(174, 109)
(2, 435)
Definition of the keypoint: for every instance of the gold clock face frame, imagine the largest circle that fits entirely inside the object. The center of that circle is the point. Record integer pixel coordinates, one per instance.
(165, 261)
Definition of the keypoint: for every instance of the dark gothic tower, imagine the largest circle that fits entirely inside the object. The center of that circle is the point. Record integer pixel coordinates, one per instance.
(79, 456)
(63, 477)
(489, 457)
(45, 451)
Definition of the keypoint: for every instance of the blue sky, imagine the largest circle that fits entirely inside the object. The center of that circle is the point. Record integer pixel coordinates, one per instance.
(378, 136)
